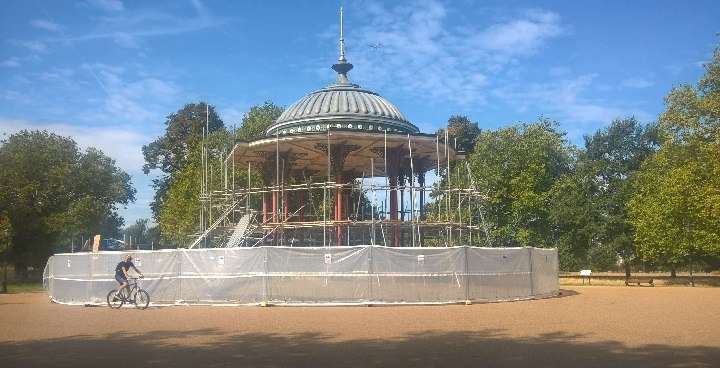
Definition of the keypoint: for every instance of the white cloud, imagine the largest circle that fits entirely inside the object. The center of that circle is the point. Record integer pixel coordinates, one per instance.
(109, 6)
(636, 83)
(129, 28)
(13, 62)
(34, 45)
(519, 36)
(45, 24)
(420, 56)
(118, 142)
(15, 97)
(560, 100)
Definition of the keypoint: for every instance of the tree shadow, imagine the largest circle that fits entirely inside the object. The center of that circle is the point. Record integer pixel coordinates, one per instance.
(215, 348)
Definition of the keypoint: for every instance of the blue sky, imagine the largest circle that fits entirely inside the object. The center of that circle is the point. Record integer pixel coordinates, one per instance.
(107, 72)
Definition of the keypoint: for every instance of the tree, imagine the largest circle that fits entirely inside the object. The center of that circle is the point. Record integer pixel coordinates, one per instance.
(179, 215)
(675, 209)
(139, 231)
(518, 167)
(461, 133)
(257, 120)
(52, 191)
(169, 153)
(590, 205)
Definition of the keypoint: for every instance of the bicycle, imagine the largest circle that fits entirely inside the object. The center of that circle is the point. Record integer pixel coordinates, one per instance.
(134, 294)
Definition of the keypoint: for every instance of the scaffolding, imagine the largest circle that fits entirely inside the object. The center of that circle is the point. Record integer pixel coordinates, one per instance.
(379, 200)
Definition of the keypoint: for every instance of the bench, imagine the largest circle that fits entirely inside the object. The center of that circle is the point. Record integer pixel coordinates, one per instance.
(585, 274)
(639, 280)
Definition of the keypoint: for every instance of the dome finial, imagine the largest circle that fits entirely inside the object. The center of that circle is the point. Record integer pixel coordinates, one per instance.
(342, 40)
(342, 67)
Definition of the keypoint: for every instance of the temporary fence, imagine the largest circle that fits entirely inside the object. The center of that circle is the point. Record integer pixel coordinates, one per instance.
(317, 275)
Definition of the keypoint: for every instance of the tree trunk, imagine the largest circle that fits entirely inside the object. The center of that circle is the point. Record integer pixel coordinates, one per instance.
(673, 272)
(626, 265)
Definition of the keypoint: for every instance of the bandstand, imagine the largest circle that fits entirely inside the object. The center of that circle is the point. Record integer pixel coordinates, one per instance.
(343, 215)
(343, 166)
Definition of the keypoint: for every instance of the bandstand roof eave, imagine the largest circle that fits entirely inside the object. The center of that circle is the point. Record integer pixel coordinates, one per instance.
(308, 151)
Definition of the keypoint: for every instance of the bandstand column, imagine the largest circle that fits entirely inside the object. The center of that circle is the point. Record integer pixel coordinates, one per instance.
(423, 165)
(275, 202)
(298, 176)
(338, 152)
(338, 209)
(394, 159)
(265, 200)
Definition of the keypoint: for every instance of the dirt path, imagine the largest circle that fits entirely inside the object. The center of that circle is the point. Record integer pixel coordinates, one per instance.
(585, 327)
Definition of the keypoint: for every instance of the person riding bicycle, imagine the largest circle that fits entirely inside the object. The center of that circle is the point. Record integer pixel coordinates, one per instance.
(121, 273)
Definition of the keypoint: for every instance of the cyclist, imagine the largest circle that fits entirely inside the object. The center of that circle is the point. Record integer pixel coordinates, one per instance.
(121, 273)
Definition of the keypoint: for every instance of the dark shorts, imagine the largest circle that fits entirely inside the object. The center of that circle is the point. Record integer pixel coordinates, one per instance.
(120, 278)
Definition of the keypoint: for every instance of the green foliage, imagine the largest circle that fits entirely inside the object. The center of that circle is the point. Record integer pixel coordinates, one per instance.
(461, 133)
(257, 120)
(518, 166)
(139, 231)
(170, 153)
(589, 206)
(675, 210)
(52, 191)
(179, 217)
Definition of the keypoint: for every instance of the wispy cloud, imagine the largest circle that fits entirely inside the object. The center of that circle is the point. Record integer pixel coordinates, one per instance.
(12, 62)
(110, 6)
(121, 144)
(561, 99)
(419, 55)
(636, 83)
(45, 24)
(128, 28)
(33, 45)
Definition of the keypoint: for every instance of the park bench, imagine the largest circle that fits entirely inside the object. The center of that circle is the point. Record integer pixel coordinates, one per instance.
(639, 280)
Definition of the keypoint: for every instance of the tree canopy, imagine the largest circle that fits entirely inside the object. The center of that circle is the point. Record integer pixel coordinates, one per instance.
(461, 133)
(675, 210)
(170, 152)
(589, 206)
(518, 166)
(52, 190)
(179, 215)
(257, 120)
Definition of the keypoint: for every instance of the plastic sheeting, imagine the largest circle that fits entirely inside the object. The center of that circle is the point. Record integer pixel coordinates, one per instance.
(295, 275)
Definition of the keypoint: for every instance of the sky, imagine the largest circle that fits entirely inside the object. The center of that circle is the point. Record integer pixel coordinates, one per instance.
(107, 73)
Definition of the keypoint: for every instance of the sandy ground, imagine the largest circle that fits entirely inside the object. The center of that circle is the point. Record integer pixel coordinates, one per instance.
(591, 326)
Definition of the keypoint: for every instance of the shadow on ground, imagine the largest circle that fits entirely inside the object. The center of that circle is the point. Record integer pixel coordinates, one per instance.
(211, 348)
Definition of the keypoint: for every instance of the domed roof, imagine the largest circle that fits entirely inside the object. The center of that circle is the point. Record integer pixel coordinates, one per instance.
(341, 105)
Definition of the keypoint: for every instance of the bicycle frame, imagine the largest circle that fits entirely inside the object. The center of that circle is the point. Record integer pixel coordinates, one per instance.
(132, 287)
(133, 294)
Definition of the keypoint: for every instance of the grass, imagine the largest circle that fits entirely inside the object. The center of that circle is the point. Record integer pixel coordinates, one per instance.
(659, 279)
(14, 287)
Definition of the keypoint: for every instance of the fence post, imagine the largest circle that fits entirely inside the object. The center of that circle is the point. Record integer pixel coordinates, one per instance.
(532, 282)
(467, 274)
(370, 273)
(265, 274)
(178, 274)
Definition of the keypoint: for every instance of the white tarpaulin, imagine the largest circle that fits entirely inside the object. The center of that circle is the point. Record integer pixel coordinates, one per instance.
(322, 275)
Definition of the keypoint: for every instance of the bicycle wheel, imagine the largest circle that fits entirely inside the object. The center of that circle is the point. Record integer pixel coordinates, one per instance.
(142, 299)
(113, 302)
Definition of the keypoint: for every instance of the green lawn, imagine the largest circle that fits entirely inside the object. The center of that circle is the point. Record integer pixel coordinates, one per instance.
(23, 287)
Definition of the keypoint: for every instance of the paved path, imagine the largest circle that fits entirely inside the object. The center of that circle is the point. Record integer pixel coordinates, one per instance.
(591, 326)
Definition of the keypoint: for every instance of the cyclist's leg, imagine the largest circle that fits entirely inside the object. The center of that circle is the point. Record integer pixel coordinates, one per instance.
(123, 283)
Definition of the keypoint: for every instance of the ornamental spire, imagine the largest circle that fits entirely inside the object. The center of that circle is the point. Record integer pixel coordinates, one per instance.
(342, 67)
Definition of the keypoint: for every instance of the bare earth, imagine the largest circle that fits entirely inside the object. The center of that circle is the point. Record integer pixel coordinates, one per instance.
(587, 326)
